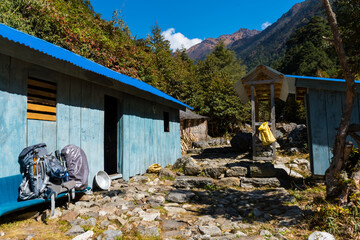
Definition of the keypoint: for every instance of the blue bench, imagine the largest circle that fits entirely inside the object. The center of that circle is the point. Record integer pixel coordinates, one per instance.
(9, 196)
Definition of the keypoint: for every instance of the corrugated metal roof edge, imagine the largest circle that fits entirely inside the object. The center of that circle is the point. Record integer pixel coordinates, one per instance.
(321, 79)
(62, 54)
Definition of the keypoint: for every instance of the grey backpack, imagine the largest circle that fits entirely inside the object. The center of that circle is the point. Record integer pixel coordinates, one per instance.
(32, 167)
(39, 169)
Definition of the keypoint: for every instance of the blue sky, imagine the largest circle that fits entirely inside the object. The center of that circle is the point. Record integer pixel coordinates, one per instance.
(190, 21)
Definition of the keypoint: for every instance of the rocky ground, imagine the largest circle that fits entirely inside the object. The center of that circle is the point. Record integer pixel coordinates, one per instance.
(215, 195)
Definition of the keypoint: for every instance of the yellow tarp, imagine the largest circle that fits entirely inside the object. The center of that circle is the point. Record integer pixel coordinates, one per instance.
(266, 135)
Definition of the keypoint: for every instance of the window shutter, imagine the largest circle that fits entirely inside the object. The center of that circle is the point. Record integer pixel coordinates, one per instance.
(41, 102)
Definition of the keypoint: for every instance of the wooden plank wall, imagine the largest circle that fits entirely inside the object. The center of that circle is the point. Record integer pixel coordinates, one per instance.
(80, 121)
(144, 140)
(325, 109)
(12, 114)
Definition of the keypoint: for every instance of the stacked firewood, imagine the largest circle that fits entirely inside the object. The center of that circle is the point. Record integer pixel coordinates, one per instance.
(187, 140)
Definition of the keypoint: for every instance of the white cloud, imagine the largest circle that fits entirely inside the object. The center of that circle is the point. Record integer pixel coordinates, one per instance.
(265, 25)
(178, 40)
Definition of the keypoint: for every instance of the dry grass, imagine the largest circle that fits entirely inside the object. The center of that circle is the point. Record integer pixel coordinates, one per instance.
(52, 229)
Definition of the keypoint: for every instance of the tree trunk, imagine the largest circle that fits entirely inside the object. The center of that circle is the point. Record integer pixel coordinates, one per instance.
(337, 164)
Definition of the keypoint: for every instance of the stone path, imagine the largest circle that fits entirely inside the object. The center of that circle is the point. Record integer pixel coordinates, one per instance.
(157, 208)
(218, 201)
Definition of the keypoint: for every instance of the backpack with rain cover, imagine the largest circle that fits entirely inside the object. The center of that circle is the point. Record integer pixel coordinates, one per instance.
(77, 164)
(39, 169)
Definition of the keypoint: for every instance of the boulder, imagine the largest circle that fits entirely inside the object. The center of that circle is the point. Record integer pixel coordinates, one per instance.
(75, 230)
(303, 164)
(172, 234)
(150, 215)
(180, 196)
(91, 222)
(174, 210)
(180, 162)
(228, 182)
(172, 225)
(84, 236)
(70, 215)
(215, 142)
(294, 150)
(259, 182)
(285, 170)
(192, 169)
(241, 142)
(298, 136)
(188, 164)
(104, 224)
(236, 172)
(265, 233)
(112, 234)
(139, 178)
(148, 231)
(156, 201)
(210, 230)
(166, 173)
(265, 170)
(200, 144)
(224, 141)
(194, 151)
(257, 213)
(278, 134)
(286, 128)
(192, 182)
(321, 236)
(214, 172)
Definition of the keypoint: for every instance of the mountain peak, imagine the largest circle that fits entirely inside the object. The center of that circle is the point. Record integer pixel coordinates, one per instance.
(201, 50)
(261, 47)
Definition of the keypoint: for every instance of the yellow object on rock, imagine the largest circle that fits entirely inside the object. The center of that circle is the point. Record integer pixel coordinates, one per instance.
(154, 168)
(266, 135)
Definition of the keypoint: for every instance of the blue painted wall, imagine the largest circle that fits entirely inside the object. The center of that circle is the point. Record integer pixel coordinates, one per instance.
(144, 140)
(12, 114)
(80, 121)
(324, 109)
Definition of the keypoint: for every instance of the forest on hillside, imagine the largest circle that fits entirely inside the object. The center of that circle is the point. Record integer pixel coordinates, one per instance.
(205, 85)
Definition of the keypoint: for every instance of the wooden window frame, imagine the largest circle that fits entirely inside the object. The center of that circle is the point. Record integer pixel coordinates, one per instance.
(166, 122)
(41, 99)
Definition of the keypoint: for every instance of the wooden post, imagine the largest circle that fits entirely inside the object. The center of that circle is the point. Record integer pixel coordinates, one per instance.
(272, 119)
(257, 116)
(253, 120)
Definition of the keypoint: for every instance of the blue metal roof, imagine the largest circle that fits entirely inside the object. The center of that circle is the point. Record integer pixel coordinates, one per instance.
(318, 78)
(77, 60)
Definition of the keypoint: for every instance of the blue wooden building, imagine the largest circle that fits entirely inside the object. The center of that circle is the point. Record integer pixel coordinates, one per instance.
(49, 94)
(324, 101)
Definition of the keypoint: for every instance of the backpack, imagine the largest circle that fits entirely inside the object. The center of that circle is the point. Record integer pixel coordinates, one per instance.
(77, 165)
(39, 169)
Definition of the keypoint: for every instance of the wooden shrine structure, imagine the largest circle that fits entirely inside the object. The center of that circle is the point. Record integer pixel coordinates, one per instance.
(262, 84)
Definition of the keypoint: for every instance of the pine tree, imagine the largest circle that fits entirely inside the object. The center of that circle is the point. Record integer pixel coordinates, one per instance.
(348, 15)
(162, 60)
(308, 53)
(217, 74)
